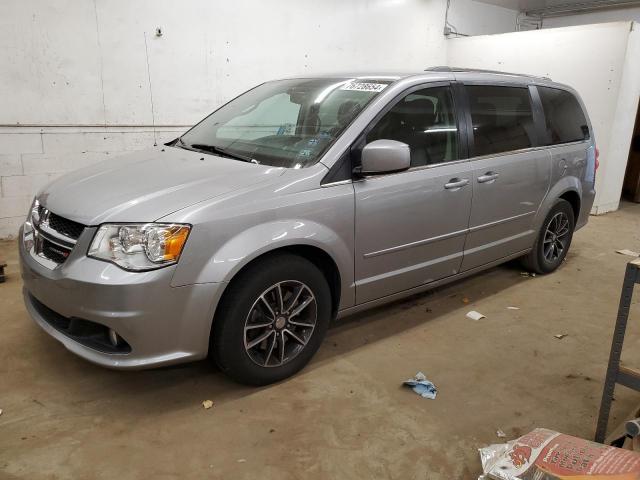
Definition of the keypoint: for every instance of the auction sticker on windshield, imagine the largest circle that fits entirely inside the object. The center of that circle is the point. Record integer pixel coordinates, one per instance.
(364, 86)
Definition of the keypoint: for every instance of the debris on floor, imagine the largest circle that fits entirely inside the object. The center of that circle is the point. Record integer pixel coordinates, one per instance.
(547, 454)
(465, 300)
(630, 253)
(560, 336)
(422, 386)
(207, 404)
(513, 308)
(625, 434)
(473, 315)
(242, 460)
(0, 411)
(500, 434)
(3, 265)
(632, 427)
(527, 274)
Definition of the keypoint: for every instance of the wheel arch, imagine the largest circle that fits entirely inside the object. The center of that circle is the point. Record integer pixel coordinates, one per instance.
(316, 255)
(568, 188)
(573, 197)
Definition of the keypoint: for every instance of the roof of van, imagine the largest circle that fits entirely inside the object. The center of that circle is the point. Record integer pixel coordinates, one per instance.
(479, 70)
(394, 76)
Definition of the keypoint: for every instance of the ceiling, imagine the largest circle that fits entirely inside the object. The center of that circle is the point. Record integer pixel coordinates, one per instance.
(526, 5)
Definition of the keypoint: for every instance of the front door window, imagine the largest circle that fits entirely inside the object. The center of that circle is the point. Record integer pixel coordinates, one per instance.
(425, 120)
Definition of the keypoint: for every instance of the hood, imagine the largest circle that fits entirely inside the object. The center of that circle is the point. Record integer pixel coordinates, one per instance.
(145, 185)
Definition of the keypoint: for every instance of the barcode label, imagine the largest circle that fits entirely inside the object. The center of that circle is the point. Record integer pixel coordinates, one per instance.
(364, 86)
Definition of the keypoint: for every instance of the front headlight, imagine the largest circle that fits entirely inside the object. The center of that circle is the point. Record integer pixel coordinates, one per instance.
(27, 229)
(140, 246)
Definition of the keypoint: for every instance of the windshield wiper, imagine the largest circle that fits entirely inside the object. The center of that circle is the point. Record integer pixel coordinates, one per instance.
(181, 144)
(199, 147)
(221, 151)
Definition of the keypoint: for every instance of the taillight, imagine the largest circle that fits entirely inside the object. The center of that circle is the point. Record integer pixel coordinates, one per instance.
(597, 158)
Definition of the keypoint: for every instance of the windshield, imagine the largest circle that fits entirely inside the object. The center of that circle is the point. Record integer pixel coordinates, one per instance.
(287, 123)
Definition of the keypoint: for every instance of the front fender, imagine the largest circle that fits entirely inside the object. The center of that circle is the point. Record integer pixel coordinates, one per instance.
(241, 249)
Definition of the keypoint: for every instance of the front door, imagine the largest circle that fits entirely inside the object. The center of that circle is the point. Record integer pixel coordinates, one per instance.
(410, 227)
(511, 175)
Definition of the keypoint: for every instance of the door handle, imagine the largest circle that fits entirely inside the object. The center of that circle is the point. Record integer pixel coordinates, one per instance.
(488, 177)
(456, 183)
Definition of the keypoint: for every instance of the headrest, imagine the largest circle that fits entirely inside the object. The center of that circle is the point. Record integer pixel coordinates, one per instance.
(483, 108)
(347, 107)
(347, 110)
(419, 106)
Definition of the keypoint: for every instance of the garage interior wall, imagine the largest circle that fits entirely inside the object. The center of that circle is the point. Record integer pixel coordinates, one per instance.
(599, 61)
(76, 75)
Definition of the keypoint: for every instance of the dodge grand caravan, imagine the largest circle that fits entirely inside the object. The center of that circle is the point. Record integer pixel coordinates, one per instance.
(300, 201)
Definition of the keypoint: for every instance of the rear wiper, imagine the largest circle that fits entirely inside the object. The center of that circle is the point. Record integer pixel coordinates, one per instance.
(222, 151)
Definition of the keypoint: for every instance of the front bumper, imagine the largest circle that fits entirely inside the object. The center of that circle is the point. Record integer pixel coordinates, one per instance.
(161, 324)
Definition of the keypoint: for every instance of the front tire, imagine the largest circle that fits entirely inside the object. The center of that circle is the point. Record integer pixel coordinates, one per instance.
(271, 320)
(554, 239)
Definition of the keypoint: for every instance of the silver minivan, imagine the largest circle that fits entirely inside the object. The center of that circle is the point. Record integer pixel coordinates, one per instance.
(300, 201)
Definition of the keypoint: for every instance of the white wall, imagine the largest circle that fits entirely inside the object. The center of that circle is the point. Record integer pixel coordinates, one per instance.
(70, 67)
(67, 62)
(74, 86)
(599, 16)
(601, 62)
(622, 128)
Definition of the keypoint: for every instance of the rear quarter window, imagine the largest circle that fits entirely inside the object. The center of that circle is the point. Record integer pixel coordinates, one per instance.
(564, 119)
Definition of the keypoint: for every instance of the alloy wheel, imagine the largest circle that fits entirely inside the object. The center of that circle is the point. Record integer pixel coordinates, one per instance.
(280, 323)
(556, 237)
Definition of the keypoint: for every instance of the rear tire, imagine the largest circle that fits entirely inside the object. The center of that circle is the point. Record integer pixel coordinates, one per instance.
(271, 320)
(553, 240)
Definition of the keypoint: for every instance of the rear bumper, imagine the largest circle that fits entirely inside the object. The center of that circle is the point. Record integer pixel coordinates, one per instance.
(161, 324)
(588, 196)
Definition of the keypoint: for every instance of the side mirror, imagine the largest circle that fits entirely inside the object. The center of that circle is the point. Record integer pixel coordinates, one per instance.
(383, 156)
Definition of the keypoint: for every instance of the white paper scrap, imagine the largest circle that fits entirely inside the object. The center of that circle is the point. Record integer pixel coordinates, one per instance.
(473, 315)
(631, 253)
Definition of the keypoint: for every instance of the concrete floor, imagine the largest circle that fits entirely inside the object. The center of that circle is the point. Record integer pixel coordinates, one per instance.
(346, 415)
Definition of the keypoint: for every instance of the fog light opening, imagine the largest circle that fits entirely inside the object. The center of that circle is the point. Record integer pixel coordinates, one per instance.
(114, 338)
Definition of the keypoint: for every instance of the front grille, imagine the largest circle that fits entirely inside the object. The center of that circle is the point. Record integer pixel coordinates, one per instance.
(54, 236)
(68, 228)
(90, 334)
(54, 252)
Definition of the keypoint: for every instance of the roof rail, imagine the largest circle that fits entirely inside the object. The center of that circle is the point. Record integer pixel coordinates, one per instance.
(443, 68)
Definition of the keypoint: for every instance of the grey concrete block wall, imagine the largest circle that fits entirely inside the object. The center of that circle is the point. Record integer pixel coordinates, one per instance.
(31, 157)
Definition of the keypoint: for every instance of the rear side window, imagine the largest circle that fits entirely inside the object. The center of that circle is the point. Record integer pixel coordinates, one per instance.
(502, 119)
(564, 119)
